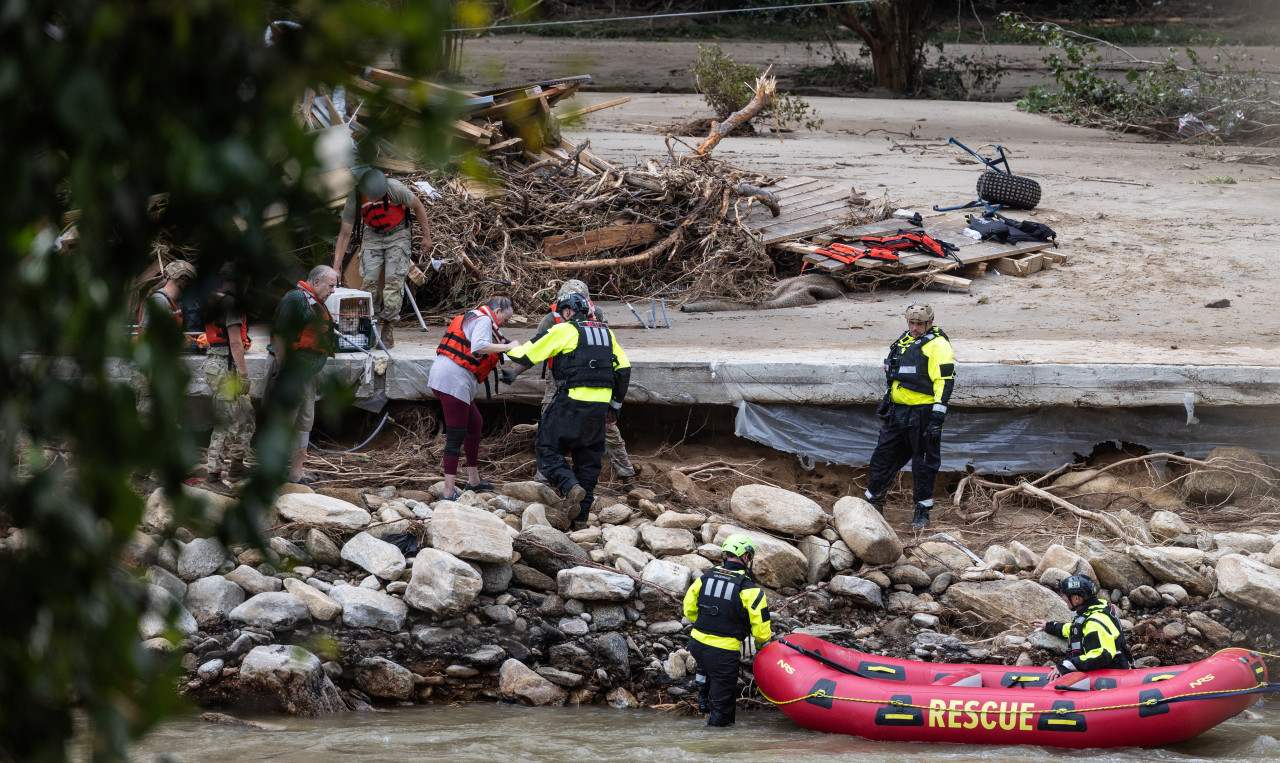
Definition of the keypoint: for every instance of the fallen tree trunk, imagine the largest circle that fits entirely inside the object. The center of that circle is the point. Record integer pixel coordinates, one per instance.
(766, 86)
(764, 197)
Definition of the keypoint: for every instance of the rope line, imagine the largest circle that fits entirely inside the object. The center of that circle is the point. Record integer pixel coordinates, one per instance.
(1261, 687)
(649, 17)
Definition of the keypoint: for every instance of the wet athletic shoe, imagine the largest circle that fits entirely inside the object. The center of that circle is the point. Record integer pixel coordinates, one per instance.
(479, 487)
(920, 519)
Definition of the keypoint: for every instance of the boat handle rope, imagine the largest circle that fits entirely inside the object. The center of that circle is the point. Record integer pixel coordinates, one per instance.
(1260, 688)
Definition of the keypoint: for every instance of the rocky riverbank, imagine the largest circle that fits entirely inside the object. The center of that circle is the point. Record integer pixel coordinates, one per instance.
(500, 603)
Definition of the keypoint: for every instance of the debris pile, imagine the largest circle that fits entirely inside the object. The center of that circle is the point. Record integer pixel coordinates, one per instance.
(685, 224)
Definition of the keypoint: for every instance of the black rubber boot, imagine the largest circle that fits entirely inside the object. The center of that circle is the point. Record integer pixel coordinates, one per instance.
(920, 519)
(704, 700)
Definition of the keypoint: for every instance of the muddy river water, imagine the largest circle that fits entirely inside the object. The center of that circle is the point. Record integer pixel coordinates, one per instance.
(484, 732)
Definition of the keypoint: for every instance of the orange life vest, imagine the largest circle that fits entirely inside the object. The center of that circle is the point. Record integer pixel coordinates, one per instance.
(174, 307)
(456, 347)
(381, 214)
(317, 335)
(215, 333)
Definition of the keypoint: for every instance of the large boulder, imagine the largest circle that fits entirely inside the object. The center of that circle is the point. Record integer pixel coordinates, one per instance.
(442, 584)
(817, 550)
(322, 548)
(530, 492)
(777, 563)
(277, 611)
(1113, 569)
(292, 678)
(321, 606)
(1063, 558)
(866, 532)
(593, 584)
(374, 556)
(548, 550)
(1110, 491)
(252, 581)
(667, 576)
(1168, 569)
(470, 533)
(1249, 582)
(211, 599)
(1167, 525)
(516, 681)
(316, 509)
(155, 621)
(932, 552)
(363, 608)
(380, 677)
(1245, 543)
(200, 558)
(860, 591)
(776, 509)
(1219, 486)
(663, 541)
(1002, 604)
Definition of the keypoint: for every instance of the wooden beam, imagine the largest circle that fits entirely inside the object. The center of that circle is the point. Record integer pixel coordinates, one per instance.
(504, 144)
(385, 77)
(593, 109)
(589, 242)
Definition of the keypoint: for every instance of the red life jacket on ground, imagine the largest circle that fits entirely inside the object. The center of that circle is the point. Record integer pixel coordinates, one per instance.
(381, 214)
(215, 333)
(317, 335)
(457, 347)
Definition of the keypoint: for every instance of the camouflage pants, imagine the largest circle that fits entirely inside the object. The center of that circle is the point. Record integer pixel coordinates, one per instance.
(389, 253)
(615, 449)
(233, 418)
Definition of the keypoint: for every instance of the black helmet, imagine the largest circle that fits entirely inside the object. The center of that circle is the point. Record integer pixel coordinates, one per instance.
(1078, 585)
(575, 302)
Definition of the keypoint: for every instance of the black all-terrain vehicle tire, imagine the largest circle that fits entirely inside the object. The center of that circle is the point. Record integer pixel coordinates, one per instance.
(1013, 191)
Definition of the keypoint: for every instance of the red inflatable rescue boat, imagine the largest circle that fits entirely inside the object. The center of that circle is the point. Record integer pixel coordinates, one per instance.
(824, 687)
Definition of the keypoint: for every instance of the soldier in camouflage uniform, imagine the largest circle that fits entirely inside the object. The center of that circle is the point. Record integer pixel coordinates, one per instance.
(383, 205)
(227, 374)
(177, 275)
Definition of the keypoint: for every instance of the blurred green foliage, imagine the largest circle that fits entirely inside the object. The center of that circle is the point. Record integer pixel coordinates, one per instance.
(108, 103)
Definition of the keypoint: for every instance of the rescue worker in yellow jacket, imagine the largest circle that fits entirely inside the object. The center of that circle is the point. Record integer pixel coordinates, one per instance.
(727, 608)
(920, 372)
(591, 374)
(1095, 638)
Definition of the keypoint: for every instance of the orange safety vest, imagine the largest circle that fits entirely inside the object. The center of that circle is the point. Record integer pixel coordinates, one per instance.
(381, 214)
(317, 335)
(215, 333)
(456, 347)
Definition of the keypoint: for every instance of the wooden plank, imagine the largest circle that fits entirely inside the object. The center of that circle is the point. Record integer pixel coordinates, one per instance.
(949, 282)
(832, 211)
(796, 208)
(399, 80)
(592, 241)
(1055, 257)
(804, 193)
(870, 229)
(592, 109)
(800, 229)
(790, 182)
(404, 166)
(509, 142)
(1020, 266)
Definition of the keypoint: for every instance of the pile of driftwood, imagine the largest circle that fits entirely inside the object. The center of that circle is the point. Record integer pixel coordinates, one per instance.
(550, 210)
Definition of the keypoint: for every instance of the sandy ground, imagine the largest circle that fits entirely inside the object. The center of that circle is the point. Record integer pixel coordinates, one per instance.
(1146, 259)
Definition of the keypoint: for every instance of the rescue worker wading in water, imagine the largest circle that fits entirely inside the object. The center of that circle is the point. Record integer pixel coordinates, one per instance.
(1095, 639)
(730, 615)
(920, 372)
(591, 373)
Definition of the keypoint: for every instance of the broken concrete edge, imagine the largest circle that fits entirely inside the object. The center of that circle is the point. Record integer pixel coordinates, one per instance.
(726, 382)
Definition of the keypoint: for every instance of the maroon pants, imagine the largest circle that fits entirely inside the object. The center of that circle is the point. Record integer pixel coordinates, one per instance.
(462, 425)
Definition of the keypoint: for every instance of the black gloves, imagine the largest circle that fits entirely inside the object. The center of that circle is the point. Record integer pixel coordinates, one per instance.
(885, 404)
(508, 375)
(933, 429)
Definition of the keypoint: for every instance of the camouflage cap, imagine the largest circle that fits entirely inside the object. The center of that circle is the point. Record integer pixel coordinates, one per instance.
(179, 269)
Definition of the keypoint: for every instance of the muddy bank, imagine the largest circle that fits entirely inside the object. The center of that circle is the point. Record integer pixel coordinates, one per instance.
(500, 604)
